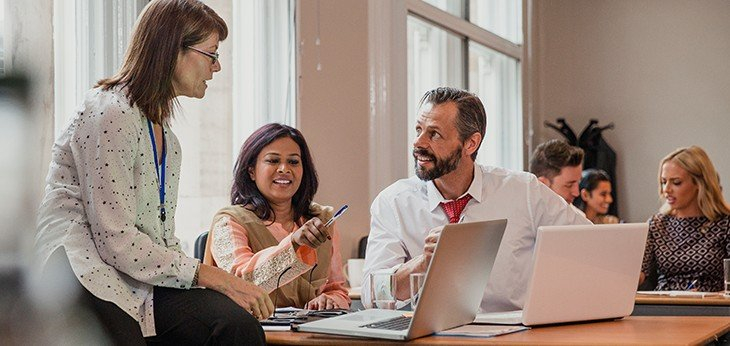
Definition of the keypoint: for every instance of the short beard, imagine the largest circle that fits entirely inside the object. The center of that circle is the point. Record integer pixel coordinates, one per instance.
(441, 167)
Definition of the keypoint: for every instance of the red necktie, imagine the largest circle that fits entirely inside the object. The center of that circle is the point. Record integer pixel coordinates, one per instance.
(453, 209)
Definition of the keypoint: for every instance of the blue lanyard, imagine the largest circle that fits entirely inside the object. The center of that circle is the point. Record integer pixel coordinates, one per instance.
(160, 178)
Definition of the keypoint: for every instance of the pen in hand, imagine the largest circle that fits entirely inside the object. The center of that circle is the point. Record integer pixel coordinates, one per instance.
(691, 285)
(334, 217)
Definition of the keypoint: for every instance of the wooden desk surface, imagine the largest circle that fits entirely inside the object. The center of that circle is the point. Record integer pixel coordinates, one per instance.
(635, 330)
(718, 300)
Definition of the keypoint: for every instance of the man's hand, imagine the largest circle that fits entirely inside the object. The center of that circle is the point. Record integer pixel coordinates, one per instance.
(312, 234)
(431, 239)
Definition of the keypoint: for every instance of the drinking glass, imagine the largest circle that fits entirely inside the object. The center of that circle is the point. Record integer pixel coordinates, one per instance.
(417, 280)
(726, 264)
(382, 290)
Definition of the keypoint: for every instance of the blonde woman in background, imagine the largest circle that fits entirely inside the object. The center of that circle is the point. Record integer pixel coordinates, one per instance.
(690, 235)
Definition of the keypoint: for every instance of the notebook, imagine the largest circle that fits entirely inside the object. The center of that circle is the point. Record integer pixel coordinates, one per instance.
(580, 273)
(456, 279)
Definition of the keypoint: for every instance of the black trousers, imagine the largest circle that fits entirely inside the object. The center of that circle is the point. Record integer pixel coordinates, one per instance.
(182, 317)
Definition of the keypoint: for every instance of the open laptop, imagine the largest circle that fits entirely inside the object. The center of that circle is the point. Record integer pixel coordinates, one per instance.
(450, 296)
(580, 273)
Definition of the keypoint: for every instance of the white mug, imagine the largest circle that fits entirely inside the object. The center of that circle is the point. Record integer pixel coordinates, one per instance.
(353, 271)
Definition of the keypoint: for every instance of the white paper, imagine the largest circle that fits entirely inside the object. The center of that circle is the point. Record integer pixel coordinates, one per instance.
(679, 293)
(481, 330)
(276, 328)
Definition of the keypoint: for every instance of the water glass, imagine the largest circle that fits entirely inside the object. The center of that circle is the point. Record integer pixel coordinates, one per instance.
(726, 264)
(417, 280)
(382, 290)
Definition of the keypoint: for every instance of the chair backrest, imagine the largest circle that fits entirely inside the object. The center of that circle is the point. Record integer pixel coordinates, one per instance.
(200, 245)
(362, 247)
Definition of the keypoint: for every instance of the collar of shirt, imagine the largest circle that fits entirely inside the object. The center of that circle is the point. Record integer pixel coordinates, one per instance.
(475, 190)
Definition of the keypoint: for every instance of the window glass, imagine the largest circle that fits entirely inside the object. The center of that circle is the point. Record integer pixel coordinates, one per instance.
(454, 7)
(255, 86)
(501, 17)
(495, 78)
(2, 37)
(435, 58)
(263, 77)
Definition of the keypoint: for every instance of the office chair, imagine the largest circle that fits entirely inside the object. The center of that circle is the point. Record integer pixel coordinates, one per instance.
(362, 247)
(199, 248)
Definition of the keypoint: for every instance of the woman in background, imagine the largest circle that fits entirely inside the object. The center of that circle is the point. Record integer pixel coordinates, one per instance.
(690, 235)
(111, 194)
(595, 196)
(273, 234)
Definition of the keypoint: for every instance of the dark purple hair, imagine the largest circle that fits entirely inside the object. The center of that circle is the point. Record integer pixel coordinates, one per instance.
(244, 190)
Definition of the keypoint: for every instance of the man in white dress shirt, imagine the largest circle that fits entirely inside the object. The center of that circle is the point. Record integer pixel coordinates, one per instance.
(558, 165)
(449, 186)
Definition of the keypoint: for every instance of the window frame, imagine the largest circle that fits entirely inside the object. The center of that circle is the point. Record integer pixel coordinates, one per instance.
(89, 42)
(389, 80)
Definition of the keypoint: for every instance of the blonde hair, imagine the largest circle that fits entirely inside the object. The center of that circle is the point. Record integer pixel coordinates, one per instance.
(695, 161)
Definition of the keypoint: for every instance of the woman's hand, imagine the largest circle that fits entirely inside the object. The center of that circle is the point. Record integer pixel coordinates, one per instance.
(321, 303)
(247, 295)
(312, 234)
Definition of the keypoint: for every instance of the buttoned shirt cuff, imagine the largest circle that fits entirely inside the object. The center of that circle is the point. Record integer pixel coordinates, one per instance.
(188, 267)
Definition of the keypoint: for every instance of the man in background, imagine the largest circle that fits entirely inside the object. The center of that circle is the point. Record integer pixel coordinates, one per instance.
(559, 166)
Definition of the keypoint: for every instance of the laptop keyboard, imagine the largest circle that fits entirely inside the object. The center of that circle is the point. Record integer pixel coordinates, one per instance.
(397, 323)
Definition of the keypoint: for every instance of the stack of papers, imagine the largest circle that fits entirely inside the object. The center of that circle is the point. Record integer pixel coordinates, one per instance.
(679, 293)
(481, 330)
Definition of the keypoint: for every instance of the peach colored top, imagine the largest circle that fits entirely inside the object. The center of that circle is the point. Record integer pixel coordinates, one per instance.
(235, 255)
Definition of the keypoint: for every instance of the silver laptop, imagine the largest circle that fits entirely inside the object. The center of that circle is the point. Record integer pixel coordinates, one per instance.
(450, 296)
(580, 273)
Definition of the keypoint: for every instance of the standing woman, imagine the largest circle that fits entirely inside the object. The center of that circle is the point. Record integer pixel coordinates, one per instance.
(111, 193)
(273, 234)
(690, 236)
(594, 196)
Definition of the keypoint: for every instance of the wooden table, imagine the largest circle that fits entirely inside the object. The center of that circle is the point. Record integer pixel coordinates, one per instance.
(654, 305)
(633, 330)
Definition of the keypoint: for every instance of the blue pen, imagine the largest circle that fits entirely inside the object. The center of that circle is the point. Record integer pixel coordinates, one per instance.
(332, 220)
(691, 285)
(337, 214)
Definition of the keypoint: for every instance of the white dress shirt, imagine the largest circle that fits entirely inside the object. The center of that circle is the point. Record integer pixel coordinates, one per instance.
(101, 204)
(405, 212)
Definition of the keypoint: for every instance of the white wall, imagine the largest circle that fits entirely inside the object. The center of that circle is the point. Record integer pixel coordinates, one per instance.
(658, 69)
(334, 108)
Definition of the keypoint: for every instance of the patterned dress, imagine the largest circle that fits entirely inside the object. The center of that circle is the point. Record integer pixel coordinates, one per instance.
(681, 250)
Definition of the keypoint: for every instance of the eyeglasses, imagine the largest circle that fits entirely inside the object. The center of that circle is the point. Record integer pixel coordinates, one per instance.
(276, 296)
(214, 56)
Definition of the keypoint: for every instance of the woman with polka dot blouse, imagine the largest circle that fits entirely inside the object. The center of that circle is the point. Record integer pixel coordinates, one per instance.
(111, 193)
(690, 236)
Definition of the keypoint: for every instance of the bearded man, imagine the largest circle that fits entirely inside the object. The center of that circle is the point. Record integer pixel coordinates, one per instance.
(450, 187)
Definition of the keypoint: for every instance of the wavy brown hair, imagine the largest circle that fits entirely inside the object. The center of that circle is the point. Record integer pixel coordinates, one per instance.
(164, 28)
(244, 191)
